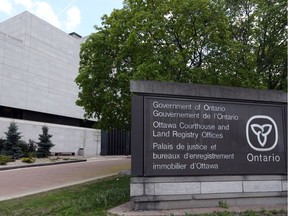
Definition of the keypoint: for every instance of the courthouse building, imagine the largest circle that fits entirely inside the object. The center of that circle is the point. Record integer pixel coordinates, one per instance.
(38, 67)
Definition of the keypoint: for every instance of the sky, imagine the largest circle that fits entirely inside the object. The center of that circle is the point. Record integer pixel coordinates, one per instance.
(78, 16)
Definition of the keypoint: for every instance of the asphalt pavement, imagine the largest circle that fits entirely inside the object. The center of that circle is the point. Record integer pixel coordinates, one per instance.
(20, 182)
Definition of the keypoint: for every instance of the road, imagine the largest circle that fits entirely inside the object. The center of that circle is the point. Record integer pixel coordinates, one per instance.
(26, 181)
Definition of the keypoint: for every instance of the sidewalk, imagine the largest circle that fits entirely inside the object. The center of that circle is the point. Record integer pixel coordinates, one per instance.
(31, 180)
(126, 210)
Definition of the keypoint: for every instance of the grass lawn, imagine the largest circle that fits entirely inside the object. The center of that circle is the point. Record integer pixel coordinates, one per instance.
(92, 198)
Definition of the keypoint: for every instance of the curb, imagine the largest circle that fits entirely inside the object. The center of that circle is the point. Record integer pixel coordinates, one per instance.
(41, 164)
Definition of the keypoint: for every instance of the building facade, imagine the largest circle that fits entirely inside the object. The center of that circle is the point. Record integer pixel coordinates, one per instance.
(38, 67)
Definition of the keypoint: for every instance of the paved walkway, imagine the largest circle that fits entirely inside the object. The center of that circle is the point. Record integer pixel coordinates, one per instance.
(126, 210)
(22, 182)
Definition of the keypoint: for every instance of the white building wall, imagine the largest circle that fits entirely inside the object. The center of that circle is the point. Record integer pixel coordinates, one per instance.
(38, 67)
(39, 64)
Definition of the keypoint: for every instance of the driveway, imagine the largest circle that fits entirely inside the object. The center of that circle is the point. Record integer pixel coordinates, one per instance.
(26, 181)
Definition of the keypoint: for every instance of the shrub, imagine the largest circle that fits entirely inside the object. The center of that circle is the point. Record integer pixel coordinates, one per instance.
(28, 149)
(2, 141)
(28, 160)
(32, 146)
(4, 159)
(223, 204)
(23, 148)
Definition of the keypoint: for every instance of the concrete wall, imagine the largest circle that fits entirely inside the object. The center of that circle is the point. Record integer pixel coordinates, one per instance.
(65, 138)
(194, 192)
(38, 66)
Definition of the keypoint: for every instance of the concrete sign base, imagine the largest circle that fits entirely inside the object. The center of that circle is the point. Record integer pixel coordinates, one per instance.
(196, 192)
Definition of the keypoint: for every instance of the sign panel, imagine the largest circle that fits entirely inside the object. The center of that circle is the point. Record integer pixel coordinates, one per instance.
(198, 137)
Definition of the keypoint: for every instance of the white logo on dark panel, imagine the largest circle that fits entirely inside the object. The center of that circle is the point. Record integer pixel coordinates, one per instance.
(261, 133)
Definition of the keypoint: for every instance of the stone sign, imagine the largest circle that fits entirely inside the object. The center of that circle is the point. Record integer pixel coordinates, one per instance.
(193, 145)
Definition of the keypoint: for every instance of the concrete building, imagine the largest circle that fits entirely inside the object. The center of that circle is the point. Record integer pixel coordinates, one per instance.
(38, 66)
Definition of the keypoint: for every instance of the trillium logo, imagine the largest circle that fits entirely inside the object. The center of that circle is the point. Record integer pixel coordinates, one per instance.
(261, 133)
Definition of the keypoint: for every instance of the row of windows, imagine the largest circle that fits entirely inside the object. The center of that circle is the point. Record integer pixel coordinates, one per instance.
(9, 112)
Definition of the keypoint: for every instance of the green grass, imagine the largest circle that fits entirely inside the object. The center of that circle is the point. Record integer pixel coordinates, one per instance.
(92, 198)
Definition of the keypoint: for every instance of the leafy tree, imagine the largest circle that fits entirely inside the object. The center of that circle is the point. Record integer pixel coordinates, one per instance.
(12, 142)
(257, 56)
(236, 43)
(44, 144)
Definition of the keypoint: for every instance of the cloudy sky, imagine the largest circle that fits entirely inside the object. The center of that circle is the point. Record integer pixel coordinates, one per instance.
(68, 15)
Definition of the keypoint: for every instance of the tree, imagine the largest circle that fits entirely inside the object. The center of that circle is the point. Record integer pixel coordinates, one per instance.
(44, 144)
(258, 49)
(193, 41)
(12, 142)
